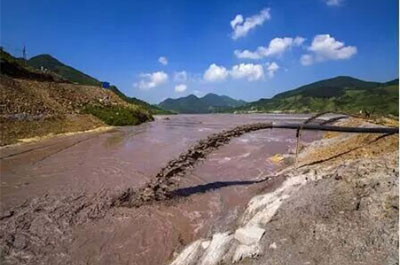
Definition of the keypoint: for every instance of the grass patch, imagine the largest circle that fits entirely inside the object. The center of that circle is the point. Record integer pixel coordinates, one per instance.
(118, 115)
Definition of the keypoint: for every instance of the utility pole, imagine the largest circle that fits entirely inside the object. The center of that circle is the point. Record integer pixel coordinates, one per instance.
(24, 53)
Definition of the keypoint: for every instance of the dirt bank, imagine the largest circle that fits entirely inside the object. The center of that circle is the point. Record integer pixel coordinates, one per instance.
(31, 108)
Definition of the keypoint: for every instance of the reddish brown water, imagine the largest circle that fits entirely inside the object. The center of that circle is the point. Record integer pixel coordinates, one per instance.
(212, 195)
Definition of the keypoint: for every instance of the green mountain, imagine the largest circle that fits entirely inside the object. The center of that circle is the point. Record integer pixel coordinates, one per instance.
(207, 104)
(47, 63)
(19, 68)
(339, 94)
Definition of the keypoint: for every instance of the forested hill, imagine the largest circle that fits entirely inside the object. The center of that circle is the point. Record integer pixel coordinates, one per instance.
(339, 94)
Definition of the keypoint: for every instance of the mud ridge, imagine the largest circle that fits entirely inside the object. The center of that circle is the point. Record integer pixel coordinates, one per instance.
(161, 186)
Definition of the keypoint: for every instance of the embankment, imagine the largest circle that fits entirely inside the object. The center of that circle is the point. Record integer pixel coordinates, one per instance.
(32, 108)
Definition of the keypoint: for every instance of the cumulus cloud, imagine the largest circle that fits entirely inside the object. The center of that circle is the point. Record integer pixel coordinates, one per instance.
(215, 73)
(242, 26)
(237, 20)
(151, 80)
(180, 76)
(272, 68)
(163, 60)
(180, 88)
(251, 72)
(306, 59)
(246, 54)
(276, 47)
(333, 2)
(248, 71)
(324, 47)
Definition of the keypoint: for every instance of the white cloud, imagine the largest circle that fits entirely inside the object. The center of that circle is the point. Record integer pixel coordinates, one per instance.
(248, 71)
(276, 47)
(246, 54)
(306, 59)
(180, 76)
(180, 88)
(251, 72)
(242, 26)
(152, 80)
(215, 73)
(324, 47)
(237, 20)
(334, 2)
(272, 68)
(163, 60)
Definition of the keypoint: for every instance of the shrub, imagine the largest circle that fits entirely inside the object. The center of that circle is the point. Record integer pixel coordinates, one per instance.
(118, 115)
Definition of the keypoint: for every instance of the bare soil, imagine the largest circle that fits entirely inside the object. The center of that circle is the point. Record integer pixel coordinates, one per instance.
(31, 108)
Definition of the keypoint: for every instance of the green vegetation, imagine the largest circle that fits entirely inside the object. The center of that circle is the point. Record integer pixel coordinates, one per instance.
(210, 103)
(340, 94)
(118, 115)
(50, 63)
(18, 68)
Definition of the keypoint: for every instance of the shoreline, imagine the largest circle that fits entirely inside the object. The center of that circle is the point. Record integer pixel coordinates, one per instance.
(38, 139)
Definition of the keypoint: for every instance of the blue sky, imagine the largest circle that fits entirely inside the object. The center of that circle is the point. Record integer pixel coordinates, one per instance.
(288, 43)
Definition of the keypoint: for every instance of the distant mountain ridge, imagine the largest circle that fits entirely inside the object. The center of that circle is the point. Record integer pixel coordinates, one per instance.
(338, 94)
(208, 104)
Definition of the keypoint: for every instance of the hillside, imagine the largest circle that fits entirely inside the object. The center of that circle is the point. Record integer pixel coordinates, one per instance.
(339, 94)
(46, 61)
(19, 68)
(49, 64)
(208, 104)
(154, 109)
(37, 104)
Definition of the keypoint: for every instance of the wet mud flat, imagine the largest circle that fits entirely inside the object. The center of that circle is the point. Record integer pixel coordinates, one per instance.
(67, 211)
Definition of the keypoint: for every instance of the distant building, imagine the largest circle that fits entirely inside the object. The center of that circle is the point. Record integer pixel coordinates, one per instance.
(105, 84)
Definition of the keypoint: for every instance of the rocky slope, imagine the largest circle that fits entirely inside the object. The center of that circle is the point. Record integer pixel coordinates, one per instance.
(32, 108)
(340, 206)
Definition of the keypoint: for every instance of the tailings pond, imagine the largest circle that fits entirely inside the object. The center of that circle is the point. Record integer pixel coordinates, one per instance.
(209, 198)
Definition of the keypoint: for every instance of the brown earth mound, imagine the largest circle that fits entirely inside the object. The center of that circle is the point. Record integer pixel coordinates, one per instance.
(33, 108)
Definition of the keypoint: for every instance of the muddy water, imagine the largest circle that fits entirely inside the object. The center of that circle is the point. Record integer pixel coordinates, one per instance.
(211, 196)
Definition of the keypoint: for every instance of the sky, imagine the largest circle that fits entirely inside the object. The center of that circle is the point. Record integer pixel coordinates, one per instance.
(155, 49)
